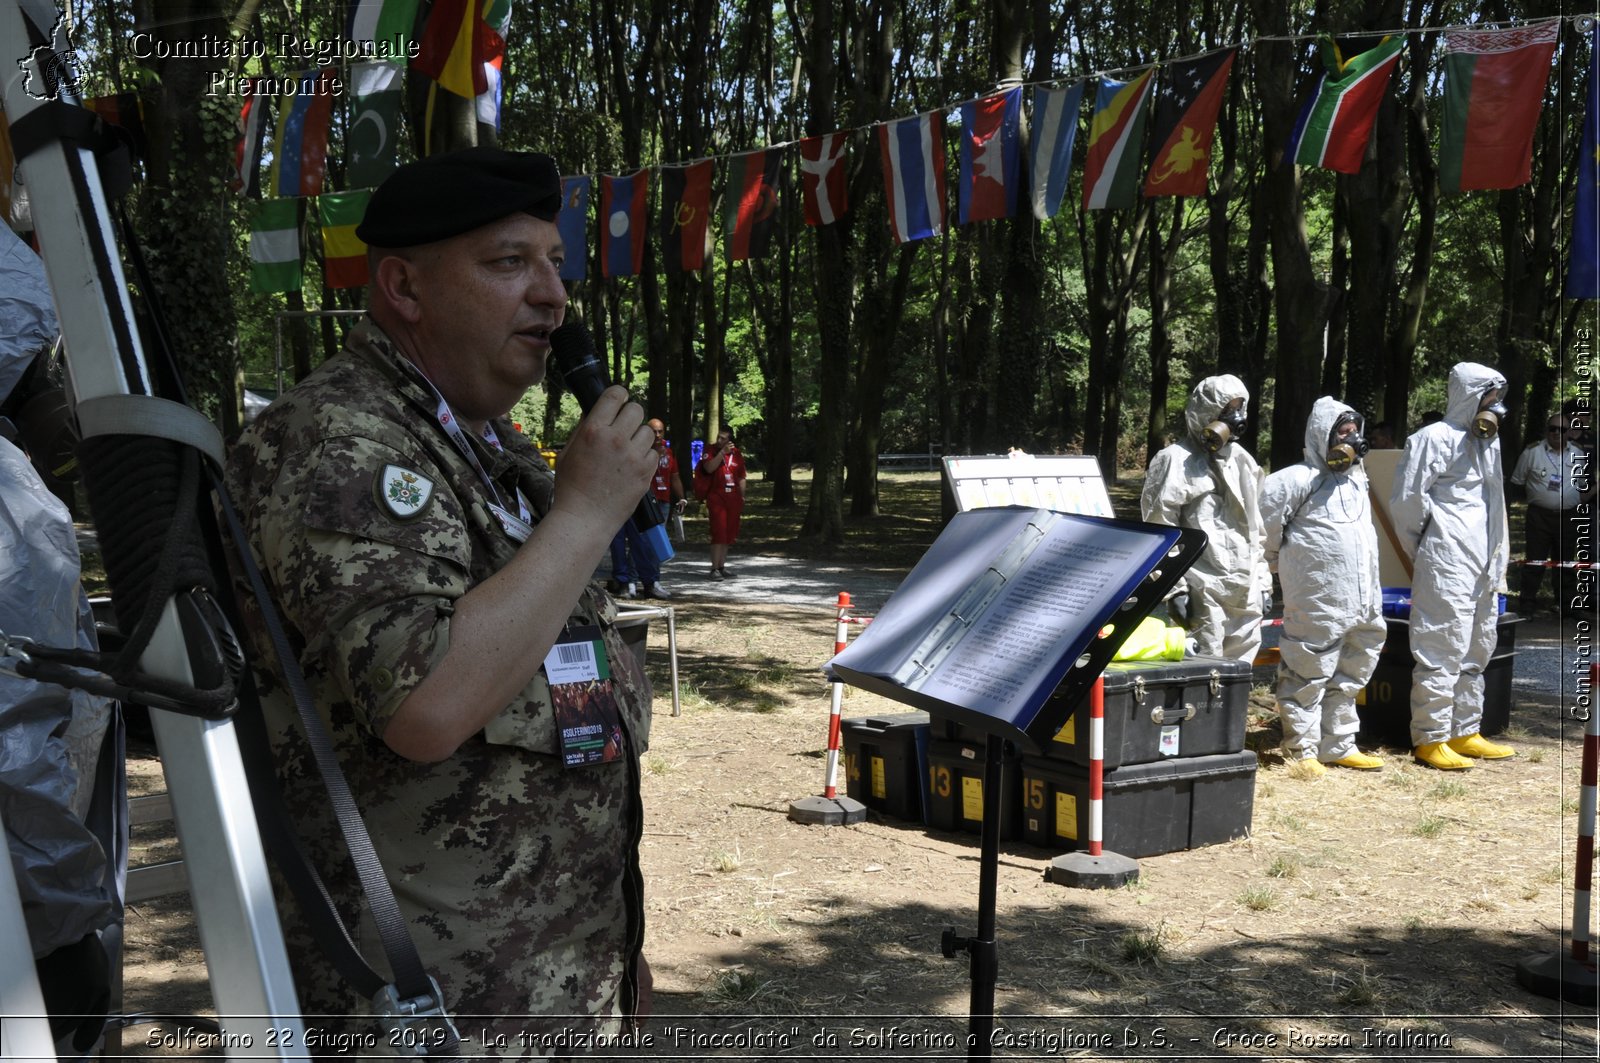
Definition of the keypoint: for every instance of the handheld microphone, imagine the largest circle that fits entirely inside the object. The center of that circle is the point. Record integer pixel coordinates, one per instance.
(573, 355)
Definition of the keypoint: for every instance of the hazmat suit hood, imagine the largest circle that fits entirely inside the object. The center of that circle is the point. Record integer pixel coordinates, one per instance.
(1325, 413)
(1207, 401)
(27, 310)
(1469, 382)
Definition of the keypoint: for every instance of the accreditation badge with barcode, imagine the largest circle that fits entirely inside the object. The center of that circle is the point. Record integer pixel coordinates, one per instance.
(585, 698)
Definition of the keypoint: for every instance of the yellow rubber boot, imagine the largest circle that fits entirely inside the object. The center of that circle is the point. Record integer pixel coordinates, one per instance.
(1360, 761)
(1309, 768)
(1479, 746)
(1440, 755)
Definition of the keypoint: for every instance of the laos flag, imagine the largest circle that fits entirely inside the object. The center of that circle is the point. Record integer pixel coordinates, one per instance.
(990, 156)
(622, 224)
(913, 175)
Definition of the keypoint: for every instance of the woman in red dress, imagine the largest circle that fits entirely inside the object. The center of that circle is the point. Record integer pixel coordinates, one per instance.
(725, 465)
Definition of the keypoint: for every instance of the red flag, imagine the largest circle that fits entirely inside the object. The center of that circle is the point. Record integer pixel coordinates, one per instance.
(685, 205)
(1493, 90)
(751, 203)
(1186, 120)
(822, 178)
(622, 224)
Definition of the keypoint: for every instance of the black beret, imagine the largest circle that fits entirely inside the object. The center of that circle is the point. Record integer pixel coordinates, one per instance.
(446, 195)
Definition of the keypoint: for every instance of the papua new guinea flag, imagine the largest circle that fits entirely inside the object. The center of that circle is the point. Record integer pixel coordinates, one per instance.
(1111, 171)
(1186, 120)
(1493, 91)
(622, 223)
(913, 175)
(685, 202)
(1336, 122)
(991, 154)
(750, 203)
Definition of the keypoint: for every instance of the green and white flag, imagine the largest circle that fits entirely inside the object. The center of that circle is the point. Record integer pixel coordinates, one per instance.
(388, 24)
(275, 245)
(373, 136)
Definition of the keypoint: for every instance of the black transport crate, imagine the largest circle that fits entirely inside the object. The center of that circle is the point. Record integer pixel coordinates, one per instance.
(1150, 809)
(955, 788)
(1384, 705)
(883, 758)
(1156, 710)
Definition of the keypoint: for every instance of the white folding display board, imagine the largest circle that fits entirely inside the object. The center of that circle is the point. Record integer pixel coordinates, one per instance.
(1065, 483)
(1381, 466)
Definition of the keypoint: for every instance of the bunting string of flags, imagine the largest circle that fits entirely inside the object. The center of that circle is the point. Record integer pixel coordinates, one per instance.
(1494, 80)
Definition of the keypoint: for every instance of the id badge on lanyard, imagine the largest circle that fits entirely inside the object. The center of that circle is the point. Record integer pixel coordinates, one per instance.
(584, 697)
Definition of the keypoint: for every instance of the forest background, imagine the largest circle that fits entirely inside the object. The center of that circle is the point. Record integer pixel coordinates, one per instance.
(1082, 333)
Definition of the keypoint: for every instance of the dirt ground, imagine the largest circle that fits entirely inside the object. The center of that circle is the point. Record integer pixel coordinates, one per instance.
(1370, 915)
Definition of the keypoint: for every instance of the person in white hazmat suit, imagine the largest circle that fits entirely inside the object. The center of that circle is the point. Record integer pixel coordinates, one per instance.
(1322, 545)
(1208, 481)
(1448, 509)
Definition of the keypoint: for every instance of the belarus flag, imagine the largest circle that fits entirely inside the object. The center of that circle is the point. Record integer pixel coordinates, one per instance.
(913, 175)
(822, 178)
(990, 156)
(622, 224)
(1493, 90)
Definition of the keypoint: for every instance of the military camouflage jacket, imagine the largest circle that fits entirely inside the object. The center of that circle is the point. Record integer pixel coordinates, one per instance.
(519, 876)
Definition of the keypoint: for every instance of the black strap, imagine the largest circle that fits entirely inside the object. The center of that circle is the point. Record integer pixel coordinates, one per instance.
(410, 977)
(55, 120)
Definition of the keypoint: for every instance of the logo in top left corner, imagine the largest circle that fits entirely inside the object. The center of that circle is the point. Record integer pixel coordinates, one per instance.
(51, 69)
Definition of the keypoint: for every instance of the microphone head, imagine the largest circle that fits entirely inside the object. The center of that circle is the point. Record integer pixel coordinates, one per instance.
(573, 355)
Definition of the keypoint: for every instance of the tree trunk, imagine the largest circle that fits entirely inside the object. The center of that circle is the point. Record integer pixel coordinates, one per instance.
(1299, 295)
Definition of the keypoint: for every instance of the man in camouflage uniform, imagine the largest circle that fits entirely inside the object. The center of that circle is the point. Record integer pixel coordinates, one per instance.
(425, 567)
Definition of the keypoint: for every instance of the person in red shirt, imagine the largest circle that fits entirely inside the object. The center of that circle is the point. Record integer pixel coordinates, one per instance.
(725, 465)
(667, 487)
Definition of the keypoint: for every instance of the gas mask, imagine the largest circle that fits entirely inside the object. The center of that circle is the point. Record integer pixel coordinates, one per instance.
(1486, 424)
(1224, 430)
(1343, 453)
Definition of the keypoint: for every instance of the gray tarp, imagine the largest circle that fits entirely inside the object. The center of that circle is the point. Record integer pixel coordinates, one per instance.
(50, 738)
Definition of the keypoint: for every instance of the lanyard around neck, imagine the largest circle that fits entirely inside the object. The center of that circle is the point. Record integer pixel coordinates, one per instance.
(452, 428)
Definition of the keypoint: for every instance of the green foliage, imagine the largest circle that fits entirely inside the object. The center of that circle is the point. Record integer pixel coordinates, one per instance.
(608, 88)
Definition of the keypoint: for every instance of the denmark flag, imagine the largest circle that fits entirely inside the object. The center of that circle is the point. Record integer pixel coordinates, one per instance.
(822, 178)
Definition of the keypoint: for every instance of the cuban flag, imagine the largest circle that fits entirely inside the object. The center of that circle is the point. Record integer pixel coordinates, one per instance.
(991, 134)
(622, 224)
(1055, 127)
(913, 175)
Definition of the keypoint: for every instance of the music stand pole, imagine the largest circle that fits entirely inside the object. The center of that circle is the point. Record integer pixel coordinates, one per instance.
(985, 958)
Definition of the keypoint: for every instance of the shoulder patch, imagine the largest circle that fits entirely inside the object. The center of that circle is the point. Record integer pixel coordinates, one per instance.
(404, 493)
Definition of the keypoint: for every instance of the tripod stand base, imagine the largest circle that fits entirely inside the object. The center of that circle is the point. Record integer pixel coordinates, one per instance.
(1082, 871)
(1557, 974)
(827, 811)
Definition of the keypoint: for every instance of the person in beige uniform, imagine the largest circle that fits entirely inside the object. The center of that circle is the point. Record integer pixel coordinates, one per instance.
(427, 563)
